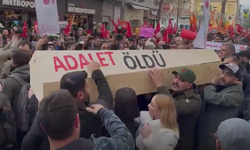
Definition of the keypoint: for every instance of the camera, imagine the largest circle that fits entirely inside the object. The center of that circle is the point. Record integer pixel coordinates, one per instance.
(51, 38)
(119, 36)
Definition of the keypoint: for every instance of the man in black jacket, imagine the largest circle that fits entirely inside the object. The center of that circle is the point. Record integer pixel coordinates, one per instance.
(76, 83)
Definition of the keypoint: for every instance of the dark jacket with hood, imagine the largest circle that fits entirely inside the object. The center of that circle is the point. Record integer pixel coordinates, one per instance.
(11, 87)
(36, 138)
(7, 122)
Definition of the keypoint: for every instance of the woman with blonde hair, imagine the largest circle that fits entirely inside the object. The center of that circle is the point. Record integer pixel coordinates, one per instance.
(160, 130)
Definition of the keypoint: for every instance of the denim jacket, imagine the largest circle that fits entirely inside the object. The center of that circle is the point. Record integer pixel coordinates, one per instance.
(121, 138)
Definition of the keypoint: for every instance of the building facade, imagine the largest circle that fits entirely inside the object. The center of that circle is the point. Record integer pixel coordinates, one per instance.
(111, 10)
(27, 6)
(99, 10)
(179, 13)
(231, 12)
(136, 11)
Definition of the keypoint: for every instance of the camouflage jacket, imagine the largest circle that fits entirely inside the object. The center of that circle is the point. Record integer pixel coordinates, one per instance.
(121, 138)
(7, 122)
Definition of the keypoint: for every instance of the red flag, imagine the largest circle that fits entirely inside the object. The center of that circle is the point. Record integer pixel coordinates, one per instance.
(239, 28)
(129, 30)
(158, 28)
(193, 28)
(36, 27)
(169, 28)
(167, 32)
(123, 23)
(246, 33)
(165, 36)
(220, 22)
(24, 34)
(67, 30)
(144, 24)
(118, 20)
(107, 33)
(114, 25)
(89, 31)
(231, 29)
(175, 29)
(103, 31)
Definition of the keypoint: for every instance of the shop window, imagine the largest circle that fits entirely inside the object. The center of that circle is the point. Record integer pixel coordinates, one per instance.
(210, 8)
(135, 23)
(187, 27)
(106, 25)
(181, 26)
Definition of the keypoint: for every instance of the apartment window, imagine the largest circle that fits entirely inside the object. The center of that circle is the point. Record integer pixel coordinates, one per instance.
(181, 26)
(135, 23)
(184, 18)
(202, 7)
(210, 7)
(187, 27)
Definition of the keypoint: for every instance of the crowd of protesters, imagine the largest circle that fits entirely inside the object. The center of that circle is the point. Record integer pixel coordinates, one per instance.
(182, 117)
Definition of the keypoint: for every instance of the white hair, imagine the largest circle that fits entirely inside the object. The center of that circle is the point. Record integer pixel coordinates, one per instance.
(179, 38)
(149, 46)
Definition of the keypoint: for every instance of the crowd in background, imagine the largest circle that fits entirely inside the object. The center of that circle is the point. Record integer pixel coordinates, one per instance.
(181, 117)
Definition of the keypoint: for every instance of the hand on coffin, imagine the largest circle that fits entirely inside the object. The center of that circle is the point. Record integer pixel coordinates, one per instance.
(156, 76)
(93, 65)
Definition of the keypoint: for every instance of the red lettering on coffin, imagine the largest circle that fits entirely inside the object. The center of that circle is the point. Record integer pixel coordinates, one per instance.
(101, 59)
(70, 66)
(58, 64)
(83, 61)
(110, 57)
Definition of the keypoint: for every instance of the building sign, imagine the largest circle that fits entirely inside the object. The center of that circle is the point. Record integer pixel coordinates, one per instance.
(79, 10)
(154, 12)
(19, 3)
(166, 7)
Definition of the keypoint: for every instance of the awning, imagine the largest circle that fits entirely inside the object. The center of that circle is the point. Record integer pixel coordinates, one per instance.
(139, 7)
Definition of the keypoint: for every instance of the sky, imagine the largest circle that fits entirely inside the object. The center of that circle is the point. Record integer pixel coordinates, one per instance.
(244, 2)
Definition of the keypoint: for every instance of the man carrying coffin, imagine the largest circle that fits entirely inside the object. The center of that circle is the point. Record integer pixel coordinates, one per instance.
(187, 101)
(224, 99)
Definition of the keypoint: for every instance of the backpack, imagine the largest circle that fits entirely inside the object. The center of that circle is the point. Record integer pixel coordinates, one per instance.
(23, 112)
